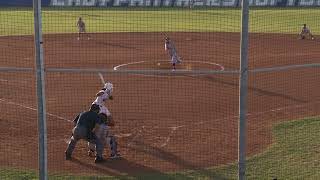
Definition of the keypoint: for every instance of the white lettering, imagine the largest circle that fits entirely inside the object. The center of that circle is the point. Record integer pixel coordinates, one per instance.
(229, 2)
(198, 2)
(182, 3)
(73, 2)
(156, 3)
(116, 2)
(167, 2)
(57, 3)
(251, 3)
(88, 2)
(213, 2)
(261, 2)
(136, 3)
(290, 2)
(147, 3)
(306, 2)
(120, 2)
(272, 3)
(103, 2)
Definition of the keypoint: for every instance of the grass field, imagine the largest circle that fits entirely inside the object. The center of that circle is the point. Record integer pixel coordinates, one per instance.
(293, 155)
(20, 21)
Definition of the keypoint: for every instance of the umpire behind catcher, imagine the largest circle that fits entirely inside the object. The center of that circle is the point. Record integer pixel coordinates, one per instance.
(85, 122)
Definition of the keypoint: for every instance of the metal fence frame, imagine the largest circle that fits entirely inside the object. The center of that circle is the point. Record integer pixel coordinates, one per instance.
(40, 74)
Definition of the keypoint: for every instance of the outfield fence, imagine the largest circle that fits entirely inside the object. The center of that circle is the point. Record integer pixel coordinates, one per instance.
(242, 104)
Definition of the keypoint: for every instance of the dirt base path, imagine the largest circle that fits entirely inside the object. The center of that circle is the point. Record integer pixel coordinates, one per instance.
(164, 123)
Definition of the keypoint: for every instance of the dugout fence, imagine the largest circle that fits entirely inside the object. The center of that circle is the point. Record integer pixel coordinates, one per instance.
(217, 116)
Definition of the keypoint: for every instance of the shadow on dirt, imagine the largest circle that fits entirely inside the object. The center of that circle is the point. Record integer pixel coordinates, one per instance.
(125, 169)
(254, 89)
(169, 157)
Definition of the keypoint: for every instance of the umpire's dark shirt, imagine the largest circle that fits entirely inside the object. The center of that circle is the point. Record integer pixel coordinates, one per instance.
(87, 119)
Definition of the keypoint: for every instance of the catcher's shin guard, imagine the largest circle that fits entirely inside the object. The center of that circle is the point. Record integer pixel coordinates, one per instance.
(113, 146)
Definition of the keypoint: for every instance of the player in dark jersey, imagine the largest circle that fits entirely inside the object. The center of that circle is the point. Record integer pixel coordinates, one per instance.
(85, 123)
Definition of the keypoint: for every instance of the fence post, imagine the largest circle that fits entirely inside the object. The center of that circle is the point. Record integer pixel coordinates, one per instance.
(243, 89)
(42, 129)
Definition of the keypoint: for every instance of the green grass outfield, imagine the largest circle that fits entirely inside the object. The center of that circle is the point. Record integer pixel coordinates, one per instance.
(295, 154)
(19, 21)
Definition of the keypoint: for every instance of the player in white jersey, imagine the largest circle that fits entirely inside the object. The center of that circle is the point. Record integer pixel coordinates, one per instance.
(103, 132)
(305, 31)
(169, 46)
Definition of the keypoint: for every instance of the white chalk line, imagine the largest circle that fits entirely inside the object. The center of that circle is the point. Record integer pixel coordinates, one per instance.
(25, 106)
(33, 109)
(120, 135)
(173, 128)
(176, 128)
(25, 82)
(140, 62)
(222, 68)
(127, 64)
(138, 134)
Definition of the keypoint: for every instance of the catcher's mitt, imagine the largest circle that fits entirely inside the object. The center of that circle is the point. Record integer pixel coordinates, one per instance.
(108, 121)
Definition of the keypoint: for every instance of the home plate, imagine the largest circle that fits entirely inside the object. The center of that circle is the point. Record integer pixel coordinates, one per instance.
(123, 135)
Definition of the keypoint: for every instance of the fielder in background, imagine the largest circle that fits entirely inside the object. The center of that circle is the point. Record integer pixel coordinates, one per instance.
(171, 49)
(85, 123)
(305, 31)
(81, 28)
(103, 132)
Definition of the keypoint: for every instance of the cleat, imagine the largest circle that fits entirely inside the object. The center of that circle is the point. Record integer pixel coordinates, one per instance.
(91, 153)
(99, 160)
(67, 156)
(115, 156)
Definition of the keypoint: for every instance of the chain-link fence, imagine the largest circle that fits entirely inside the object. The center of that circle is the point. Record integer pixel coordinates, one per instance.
(175, 70)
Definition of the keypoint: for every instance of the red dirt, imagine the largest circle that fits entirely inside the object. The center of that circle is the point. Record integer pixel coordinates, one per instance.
(172, 122)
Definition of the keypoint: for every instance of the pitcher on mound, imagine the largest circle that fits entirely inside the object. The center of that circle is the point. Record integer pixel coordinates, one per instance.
(171, 49)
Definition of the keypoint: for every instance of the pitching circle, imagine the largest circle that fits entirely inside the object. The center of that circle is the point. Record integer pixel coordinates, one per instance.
(166, 65)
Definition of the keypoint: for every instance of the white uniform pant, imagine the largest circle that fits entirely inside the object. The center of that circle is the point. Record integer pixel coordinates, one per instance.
(104, 110)
(175, 59)
(103, 131)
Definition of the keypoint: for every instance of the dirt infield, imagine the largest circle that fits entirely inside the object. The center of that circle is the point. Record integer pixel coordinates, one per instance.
(165, 123)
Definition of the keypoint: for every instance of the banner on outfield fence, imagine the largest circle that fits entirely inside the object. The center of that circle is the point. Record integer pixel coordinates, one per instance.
(162, 3)
(182, 3)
